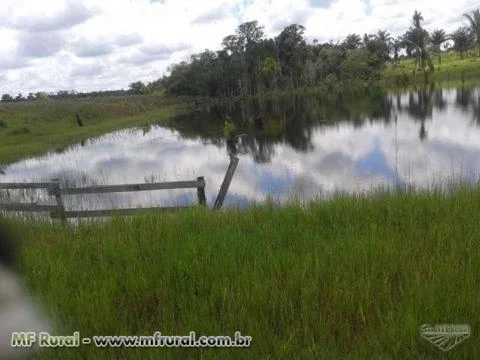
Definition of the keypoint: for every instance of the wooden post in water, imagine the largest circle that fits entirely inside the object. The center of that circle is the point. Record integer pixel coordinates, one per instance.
(226, 182)
(55, 191)
(202, 200)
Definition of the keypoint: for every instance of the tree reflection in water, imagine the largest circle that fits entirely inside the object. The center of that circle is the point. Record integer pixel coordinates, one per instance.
(292, 120)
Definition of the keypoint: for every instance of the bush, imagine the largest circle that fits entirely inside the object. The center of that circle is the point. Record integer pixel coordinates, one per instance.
(20, 131)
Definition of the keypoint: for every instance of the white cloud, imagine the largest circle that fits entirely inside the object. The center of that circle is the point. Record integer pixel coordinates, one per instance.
(48, 15)
(92, 48)
(138, 39)
(38, 45)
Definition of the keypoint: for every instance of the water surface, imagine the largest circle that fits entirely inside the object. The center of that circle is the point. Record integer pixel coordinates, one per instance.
(294, 147)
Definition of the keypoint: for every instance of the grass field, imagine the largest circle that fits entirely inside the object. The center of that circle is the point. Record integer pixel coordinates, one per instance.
(34, 127)
(452, 68)
(351, 278)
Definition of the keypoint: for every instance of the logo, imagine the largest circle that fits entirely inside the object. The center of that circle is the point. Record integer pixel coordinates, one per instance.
(445, 336)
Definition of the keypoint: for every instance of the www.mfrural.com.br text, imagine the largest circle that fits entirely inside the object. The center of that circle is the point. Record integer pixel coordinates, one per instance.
(45, 339)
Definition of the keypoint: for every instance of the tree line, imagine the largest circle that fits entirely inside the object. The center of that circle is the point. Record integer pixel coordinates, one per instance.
(249, 63)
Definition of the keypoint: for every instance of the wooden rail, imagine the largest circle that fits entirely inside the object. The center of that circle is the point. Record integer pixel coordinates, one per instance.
(20, 186)
(102, 189)
(58, 211)
(112, 212)
(28, 207)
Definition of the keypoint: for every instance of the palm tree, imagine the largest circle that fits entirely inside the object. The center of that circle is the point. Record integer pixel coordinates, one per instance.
(397, 44)
(418, 40)
(463, 39)
(352, 42)
(474, 21)
(418, 37)
(384, 40)
(437, 38)
(383, 36)
(417, 18)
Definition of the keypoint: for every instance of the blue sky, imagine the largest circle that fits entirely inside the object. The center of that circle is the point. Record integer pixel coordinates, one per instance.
(52, 45)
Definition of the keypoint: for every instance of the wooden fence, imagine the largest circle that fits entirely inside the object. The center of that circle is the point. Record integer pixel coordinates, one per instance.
(58, 211)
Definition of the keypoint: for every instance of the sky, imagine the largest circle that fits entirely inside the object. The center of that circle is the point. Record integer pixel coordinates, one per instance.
(88, 45)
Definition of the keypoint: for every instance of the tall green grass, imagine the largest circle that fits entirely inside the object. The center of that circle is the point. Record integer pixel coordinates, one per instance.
(32, 127)
(350, 278)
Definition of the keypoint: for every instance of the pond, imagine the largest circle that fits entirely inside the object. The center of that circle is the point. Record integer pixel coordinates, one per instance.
(295, 147)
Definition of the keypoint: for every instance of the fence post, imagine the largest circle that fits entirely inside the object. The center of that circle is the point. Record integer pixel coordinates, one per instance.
(202, 200)
(226, 182)
(55, 191)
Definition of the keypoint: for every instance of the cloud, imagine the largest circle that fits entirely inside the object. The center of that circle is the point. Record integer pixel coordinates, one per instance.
(141, 58)
(162, 49)
(125, 40)
(11, 62)
(104, 45)
(73, 13)
(89, 48)
(38, 45)
(88, 70)
(321, 3)
(297, 17)
(212, 16)
(153, 52)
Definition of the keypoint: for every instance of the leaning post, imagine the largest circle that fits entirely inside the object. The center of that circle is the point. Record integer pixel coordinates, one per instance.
(226, 182)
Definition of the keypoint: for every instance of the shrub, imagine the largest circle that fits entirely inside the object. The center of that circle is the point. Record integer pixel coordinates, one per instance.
(20, 131)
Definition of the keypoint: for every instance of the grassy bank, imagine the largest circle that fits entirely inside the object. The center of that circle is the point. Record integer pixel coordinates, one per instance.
(33, 127)
(451, 68)
(352, 278)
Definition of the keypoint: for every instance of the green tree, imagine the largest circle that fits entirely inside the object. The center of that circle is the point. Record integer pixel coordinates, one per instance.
(463, 40)
(232, 44)
(330, 60)
(416, 39)
(437, 38)
(249, 35)
(268, 70)
(384, 40)
(377, 48)
(383, 36)
(417, 19)
(138, 88)
(397, 44)
(41, 95)
(292, 52)
(474, 24)
(234, 64)
(7, 98)
(357, 69)
(352, 42)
